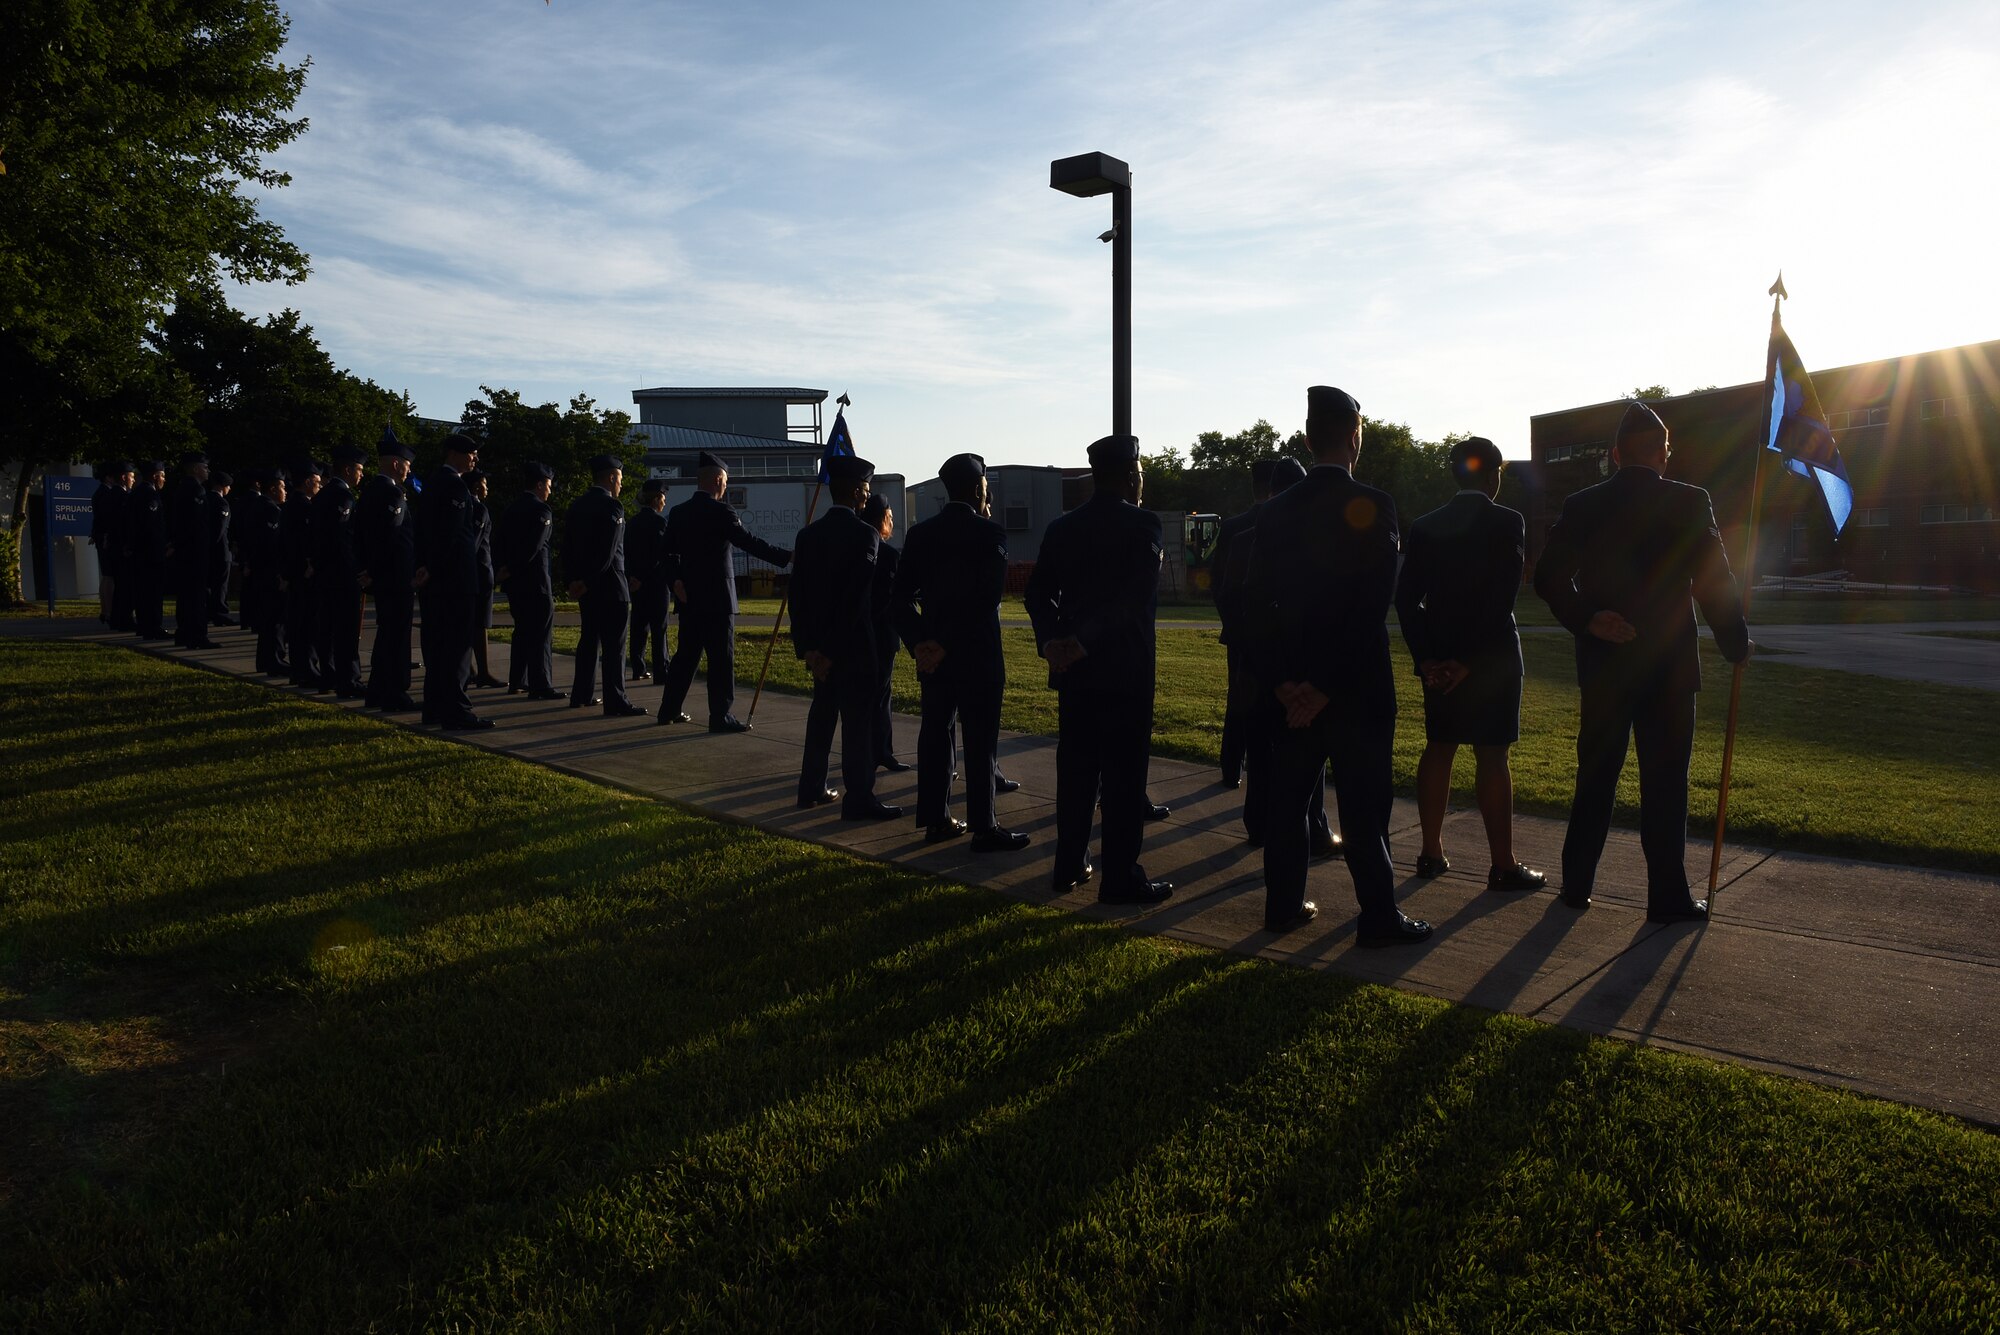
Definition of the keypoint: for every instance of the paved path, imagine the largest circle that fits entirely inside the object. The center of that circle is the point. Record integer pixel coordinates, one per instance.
(1877, 978)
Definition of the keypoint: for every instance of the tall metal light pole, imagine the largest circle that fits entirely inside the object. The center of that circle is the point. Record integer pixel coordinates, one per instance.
(1089, 174)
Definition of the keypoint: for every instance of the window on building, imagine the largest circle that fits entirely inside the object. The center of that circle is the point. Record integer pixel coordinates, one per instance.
(1017, 519)
(1958, 514)
(1877, 517)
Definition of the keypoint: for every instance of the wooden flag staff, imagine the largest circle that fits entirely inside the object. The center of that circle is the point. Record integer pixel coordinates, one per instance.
(844, 403)
(1777, 294)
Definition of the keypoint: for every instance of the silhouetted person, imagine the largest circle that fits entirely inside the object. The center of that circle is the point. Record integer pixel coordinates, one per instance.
(521, 551)
(1239, 698)
(646, 569)
(1625, 564)
(447, 579)
(188, 543)
(109, 507)
(1455, 601)
(385, 533)
(594, 561)
(877, 515)
(295, 577)
(336, 577)
(477, 485)
(221, 521)
(1093, 599)
(146, 548)
(1321, 581)
(262, 551)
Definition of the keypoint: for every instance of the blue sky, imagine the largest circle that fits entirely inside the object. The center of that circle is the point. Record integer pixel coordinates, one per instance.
(1463, 214)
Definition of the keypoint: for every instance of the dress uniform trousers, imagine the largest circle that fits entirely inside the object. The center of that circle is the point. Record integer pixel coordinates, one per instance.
(976, 706)
(602, 633)
(531, 663)
(299, 608)
(714, 637)
(1102, 744)
(389, 659)
(447, 642)
(1356, 751)
(1660, 725)
(846, 697)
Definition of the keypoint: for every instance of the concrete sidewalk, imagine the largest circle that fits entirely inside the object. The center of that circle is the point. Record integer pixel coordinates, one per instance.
(1878, 978)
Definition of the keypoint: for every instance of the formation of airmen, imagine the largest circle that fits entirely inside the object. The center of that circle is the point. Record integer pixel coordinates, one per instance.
(1305, 582)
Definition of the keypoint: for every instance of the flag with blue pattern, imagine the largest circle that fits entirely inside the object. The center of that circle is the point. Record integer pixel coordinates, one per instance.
(838, 443)
(1797, 429)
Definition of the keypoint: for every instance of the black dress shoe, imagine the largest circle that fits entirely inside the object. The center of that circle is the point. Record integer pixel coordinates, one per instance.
(1307, 912)
(515, 688)
(1136, 892)
(468, 724)
(204, 644)
(1006, 785)
(939, 831)
(871, 811)
(1405, 931)
(1696, 911)
(545, 695)
(626, 710)
(576, 702)
(1519, 876)
(1428, 866)
(402, 704)
(487, 682)
(997, 840)
(819, 799)
(638, 674)
(666, 719)
(1570, 901)
(222, 621)
(1156, 811)
(892, 765)
(1062, 881)
(728, 723)
(1325, 843)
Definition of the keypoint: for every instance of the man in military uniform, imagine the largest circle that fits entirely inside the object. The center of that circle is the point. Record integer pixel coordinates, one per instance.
(1625, 564)
(646, 567)
(386, 549)
(221, 534)
(295, 576)
(702, 533)
(188, 542)
(446, 582)
(108, 521)
(521, 556)
(101, 502)
(262, 552)
(1093, 598)
(337, 577)
(1236, 697)
(594, 562)
(946, 603)
(145, 551)
(833, 630)
(1321, 581)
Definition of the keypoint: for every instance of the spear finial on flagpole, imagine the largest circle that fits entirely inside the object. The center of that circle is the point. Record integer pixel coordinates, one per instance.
(1777, 294)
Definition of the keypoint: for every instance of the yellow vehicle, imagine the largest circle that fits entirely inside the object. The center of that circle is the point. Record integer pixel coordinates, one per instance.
(1198, 536)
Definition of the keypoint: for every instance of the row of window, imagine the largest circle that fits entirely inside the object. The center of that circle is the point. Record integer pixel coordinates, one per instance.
(767, 465)
(1858, 417)
(1956, 514)
(1964, 405)
(1563, 453)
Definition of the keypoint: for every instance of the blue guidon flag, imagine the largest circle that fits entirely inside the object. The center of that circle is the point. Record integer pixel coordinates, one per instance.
(1797, 428)
(838, 443)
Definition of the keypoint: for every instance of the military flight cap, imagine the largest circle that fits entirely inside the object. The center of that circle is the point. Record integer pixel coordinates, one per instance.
(849, 469)
(707, 460)
(600, 464)
(1285, 473)
(1260, 471)
(1639, 419)
(456, 443)
(1326, 403)
(473, 475)
(119, 466)
(156, 466)
(312, 467)
(1115, 450)
(276, 475)
(218, 478)
(192, 457)
(343, 455)
(390, 447)
(540, 472)
(961, 471)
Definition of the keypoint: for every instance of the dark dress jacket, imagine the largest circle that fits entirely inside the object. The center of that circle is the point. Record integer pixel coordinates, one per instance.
(296, 537)
(882, 602)
(1461, 573)
(335, 570)
(594, 546)
(145, 526)
(833, 589)
(188, 525)
(261, 546)
(646, 554)
(1097, 577)
(521, 546)
(700, 533)
(104, 523)
(482, 546)
(221, 531)
(947, 587)
(1231, 554)
(1321, 580)
(385, 533)
(1646, 548)
(447, 535)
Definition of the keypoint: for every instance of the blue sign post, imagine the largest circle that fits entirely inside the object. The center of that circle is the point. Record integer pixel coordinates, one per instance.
(66, 515)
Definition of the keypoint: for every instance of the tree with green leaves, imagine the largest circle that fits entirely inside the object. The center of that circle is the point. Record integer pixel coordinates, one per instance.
(128, 130)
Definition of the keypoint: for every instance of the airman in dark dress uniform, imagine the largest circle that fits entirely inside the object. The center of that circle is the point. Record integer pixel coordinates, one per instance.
(1455, 602)
(833, 630)
(189, 538)
(1625, 564)
(1093, 599)
(1321, 581)
(336, 577)
(446, 580)
(222, 535)
(646, 566)
(1239, 695)
(262, 551)
(146, 546)
(385, 534)
(875, 513)
(703, 533)
(946, 595)
(594, 561)
(108, 508)
(521, 557)
(296, 575)
(478, 484)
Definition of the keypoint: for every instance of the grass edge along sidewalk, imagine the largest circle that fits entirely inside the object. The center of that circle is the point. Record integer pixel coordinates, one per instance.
(504, 1047)
(1828, 762)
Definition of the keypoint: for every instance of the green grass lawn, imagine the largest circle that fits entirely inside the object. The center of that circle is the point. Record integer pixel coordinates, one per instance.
(310, 1022)
(1831, 762)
